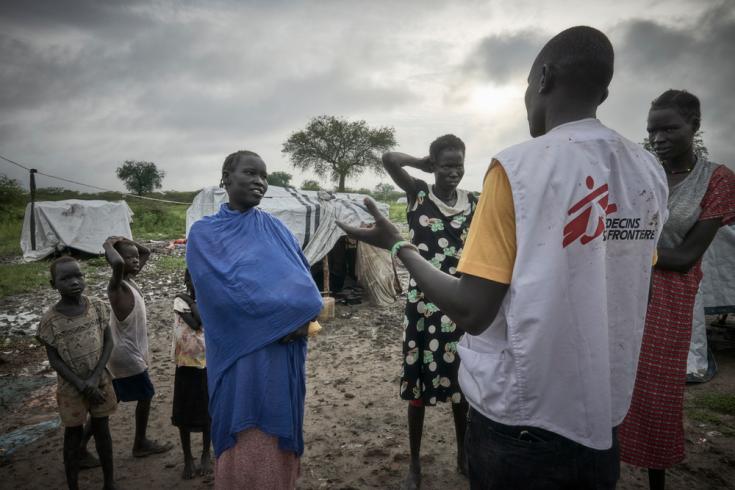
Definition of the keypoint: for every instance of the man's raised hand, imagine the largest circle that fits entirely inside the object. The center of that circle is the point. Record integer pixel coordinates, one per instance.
(383, 235)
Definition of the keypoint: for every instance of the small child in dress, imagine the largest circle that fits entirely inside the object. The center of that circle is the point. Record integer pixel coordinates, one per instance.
(78, 341)
(190, 406)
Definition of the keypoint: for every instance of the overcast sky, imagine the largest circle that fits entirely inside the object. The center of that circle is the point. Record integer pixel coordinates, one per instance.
(86, 85)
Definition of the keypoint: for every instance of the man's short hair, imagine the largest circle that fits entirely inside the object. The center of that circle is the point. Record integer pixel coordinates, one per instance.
(584, 58)
(442, 143)
(60, 260)
(231, 160)
(683, 102)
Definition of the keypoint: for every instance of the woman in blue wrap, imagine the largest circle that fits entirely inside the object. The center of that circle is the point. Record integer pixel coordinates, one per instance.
(256, 297)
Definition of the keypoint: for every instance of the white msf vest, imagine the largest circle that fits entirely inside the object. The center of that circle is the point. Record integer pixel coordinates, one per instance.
(563, 350)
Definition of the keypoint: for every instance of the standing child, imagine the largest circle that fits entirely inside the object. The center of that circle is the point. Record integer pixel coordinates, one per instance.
(78, 343)
(190, 411)
(128, 322)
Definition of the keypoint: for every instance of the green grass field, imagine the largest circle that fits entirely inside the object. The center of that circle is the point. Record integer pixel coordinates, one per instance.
(21, 278)
(397, 213)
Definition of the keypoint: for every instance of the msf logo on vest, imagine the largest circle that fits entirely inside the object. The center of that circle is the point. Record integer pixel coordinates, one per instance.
(580, 228)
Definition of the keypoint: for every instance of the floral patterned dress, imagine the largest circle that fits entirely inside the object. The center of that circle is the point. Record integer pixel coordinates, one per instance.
(430, 360)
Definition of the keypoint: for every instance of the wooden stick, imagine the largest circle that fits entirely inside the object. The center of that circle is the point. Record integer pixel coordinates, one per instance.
(325, 273)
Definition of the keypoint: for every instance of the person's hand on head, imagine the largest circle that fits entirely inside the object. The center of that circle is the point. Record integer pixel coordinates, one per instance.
(426, 165)
(383, 235)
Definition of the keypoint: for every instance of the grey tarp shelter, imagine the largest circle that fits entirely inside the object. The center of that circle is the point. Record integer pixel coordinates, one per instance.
(716, 294)
(73, 223)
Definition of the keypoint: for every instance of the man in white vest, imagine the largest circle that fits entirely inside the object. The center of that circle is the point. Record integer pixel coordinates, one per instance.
(555, 279)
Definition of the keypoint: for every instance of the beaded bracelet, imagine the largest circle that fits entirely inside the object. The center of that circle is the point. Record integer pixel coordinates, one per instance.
(399, 245)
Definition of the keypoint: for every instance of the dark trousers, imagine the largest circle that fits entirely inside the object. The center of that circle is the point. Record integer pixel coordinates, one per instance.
(519, 458)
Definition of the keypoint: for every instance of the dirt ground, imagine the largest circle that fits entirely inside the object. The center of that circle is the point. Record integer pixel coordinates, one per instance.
(355, 429)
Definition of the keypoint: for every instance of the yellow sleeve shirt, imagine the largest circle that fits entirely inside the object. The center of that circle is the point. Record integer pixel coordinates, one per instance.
(490, 249)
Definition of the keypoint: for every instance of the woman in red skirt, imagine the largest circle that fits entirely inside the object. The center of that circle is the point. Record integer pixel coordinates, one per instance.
(701, 200)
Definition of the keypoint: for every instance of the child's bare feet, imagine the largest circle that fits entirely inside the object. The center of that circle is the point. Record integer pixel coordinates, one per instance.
(206, 465)
(149, 447)
(189, 469)
(413, 479)
(87, 460)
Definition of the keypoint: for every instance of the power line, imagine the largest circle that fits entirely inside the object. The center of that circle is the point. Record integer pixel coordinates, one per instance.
(77, 183)
(14, 163)
(92, 186)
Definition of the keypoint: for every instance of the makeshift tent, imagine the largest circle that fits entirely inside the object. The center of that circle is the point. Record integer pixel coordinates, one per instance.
(312, 217)
(718, 267)
(73, 223)
(716, 296)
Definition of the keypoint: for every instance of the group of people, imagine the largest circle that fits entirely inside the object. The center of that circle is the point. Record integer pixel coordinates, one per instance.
(554, 313)
(102, 358)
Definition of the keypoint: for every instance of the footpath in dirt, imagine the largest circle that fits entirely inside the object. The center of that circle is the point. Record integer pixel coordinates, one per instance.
(355, 428)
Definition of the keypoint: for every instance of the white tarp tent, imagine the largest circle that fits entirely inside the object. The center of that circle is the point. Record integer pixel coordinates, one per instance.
(716, 295)
(74, 223)
(718, 267)
(310, 215)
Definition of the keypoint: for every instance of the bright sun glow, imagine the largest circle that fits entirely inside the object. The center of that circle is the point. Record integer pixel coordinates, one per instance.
(491, 97)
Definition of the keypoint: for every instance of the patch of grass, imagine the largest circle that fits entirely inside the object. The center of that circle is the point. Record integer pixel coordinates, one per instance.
(27, 277)
(10, 228)
(717, 402)
(96, 262)
(703, 416)
(171, 263)
(397, 213)
(22, 278)
(157, 221)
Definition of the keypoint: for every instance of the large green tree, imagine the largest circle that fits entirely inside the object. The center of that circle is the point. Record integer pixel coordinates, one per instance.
(140, 177)
(335, 147)
(11, 192)
(384, 192)
(281, 179)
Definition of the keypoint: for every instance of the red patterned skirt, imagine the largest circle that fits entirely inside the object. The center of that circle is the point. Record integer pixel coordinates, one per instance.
(652, 434)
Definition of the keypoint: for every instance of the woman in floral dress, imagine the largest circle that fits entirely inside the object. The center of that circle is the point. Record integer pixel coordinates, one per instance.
(439, 217)
(701, 200)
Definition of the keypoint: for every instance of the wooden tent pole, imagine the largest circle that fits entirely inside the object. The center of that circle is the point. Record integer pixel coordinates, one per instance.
(325, 273)
(33, 208)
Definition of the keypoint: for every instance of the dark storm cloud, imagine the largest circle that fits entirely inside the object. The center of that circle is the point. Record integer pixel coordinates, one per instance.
(175, 73)
(502, 58)
(111, 17)
(88, 84)
(652, 57)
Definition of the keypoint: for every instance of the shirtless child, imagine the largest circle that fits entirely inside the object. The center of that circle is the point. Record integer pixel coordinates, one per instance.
(78, 343)
(130, 357)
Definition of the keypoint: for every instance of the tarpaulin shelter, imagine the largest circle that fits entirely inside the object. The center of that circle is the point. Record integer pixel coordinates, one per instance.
(312, 217)
(73, 223)
(716, 296)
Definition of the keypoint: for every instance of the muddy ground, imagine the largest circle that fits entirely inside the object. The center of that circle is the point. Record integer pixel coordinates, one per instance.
(355, 428)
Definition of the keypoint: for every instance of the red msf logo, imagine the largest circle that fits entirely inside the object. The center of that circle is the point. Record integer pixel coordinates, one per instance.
(577, 228)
